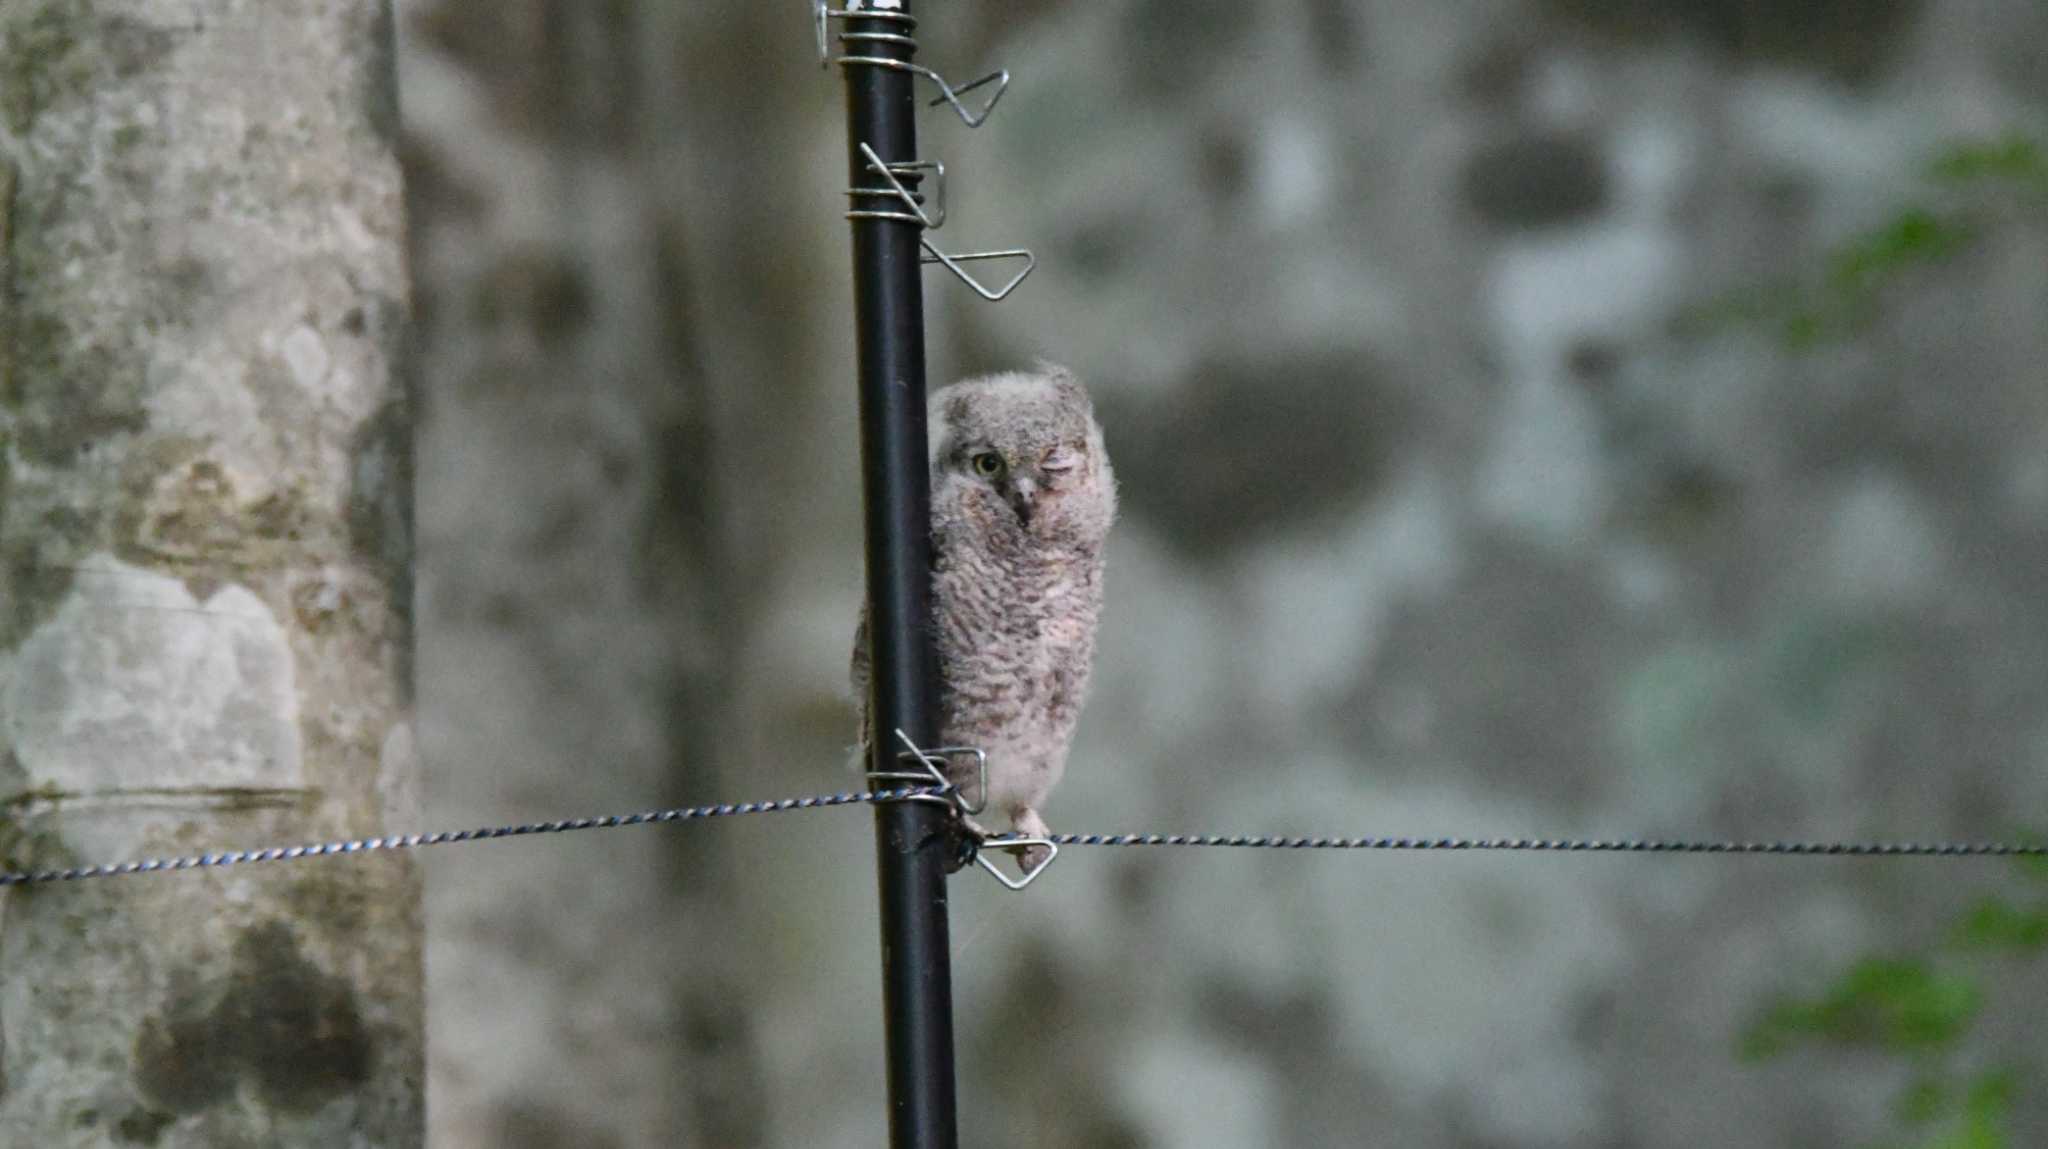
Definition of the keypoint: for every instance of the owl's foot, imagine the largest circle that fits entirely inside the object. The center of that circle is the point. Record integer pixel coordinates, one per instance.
(1029, 858)
(1028, 824)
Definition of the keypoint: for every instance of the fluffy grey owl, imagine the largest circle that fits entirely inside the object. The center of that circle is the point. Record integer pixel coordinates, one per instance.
(1022, 498)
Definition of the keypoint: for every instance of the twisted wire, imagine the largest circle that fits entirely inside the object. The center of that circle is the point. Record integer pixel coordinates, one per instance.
(1557, 845)
(998, 841)
(444, 837)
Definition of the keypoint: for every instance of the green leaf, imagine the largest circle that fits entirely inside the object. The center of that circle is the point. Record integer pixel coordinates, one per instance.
(2035, 867)
(1924, 1100)
(1991, 1095)
(1804, 330)
(1968, 1136)
(1996, 924)
(1915, 237)
(2009, 158)
(1987, 1105)
(1854, 273)
(1887, 1003)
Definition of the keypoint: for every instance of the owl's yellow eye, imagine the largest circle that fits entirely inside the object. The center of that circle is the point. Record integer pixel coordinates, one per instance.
(987, 464)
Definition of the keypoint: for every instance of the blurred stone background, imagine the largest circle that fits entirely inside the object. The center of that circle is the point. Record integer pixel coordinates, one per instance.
(1447, 513)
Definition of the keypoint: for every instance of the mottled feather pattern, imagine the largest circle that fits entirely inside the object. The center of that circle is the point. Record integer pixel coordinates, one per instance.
(1022, 499)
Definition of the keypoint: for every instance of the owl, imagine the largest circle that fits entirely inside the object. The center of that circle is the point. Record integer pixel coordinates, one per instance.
(1022, 501)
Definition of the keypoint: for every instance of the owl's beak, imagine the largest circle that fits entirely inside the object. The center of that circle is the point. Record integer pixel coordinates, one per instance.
(1022, 492)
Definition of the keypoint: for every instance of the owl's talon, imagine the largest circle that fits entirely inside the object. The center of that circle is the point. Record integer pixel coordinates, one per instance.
(1031, 858)
(964, 839)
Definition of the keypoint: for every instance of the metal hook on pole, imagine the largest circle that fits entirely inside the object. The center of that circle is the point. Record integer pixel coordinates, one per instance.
(950, 95)
(992, 294)
(861, 47)
(1028, 876)
(902, 180)
(930, 759)
(895, 174)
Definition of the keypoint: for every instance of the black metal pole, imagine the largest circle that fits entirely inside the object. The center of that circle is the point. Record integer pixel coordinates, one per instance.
(910, 837)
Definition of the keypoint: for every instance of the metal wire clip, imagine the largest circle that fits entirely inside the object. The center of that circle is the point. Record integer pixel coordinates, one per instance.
(948, 94)
(993, 295)
(929, 776)
(973, 835)
(1028, 876)
(930, 760)
(897, 190)
(931, 220)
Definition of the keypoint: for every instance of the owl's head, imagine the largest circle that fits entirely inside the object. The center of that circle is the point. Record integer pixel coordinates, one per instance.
(1030, 441)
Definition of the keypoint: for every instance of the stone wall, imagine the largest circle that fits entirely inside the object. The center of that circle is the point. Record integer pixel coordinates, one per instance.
(1500, 456)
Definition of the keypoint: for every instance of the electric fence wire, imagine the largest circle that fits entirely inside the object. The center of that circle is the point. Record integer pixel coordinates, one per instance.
(1989, 849)
(1556, 845)
(448, 837)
